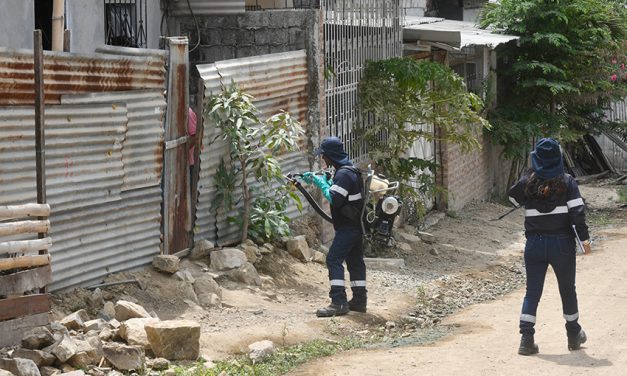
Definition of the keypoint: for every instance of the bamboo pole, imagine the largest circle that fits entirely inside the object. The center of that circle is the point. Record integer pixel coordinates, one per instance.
(24, 227)
(24, 262)
(25, 246)
(26, 210)
(58, 21)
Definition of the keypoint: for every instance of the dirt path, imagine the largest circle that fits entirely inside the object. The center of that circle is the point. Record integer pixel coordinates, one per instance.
(485, 339)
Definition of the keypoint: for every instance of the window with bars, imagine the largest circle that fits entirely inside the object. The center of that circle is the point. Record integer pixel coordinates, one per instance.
(125, 23)
(281, 4)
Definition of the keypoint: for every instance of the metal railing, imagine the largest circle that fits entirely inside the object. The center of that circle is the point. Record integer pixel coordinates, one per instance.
(126, 23)
(355, 32)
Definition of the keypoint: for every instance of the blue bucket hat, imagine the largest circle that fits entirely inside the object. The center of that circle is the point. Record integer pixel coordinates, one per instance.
(546, 159)
(333, 148)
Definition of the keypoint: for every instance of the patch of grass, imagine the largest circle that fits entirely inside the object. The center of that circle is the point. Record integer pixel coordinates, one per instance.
(599, 218)
(279, 363)
(622, 195)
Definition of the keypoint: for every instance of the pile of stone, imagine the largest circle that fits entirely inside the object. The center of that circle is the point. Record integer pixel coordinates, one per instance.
(132, 340)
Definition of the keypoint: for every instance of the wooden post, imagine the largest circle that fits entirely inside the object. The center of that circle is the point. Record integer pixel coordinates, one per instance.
(58, 22)
(67, 39)
(40, 142)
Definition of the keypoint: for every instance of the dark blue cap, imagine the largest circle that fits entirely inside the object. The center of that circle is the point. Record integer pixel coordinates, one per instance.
(546, 159)
(333, 148)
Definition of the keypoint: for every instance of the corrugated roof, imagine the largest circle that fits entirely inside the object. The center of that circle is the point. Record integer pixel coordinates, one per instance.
(278, 82)
(142, 149)
(67, 73)
(457, 34)
(83, 154)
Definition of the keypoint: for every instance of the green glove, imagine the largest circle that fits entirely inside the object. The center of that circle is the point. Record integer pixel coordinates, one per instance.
(307, 177)
(322, 183)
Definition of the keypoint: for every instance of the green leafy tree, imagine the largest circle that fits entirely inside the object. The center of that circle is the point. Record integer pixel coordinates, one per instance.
(253, 147)
(561, 75)
(400, 93)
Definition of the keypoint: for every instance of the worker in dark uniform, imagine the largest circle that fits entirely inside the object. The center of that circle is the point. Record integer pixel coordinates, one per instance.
(344, 193)
(552, 206)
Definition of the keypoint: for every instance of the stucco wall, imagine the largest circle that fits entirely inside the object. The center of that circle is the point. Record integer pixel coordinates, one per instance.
(17, 21)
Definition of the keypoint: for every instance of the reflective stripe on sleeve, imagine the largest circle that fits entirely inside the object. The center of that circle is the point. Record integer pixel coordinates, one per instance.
(528, 318)
(358, 283)
(354, 197)
(557, 210)
(339, 190)
(574, 203)
(572, 317)
(513, 201)
(337, 282)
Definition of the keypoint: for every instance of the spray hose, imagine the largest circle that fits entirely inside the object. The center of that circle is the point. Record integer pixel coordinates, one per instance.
(292, 178)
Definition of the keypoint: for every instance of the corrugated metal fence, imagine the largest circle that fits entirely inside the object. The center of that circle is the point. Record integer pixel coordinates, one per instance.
(278, 82)
(103, 156)
(355, 31)
(611, 144)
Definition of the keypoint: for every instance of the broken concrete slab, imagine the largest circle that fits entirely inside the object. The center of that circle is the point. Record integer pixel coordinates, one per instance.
(246, 274)
(19, 367)
(132, 331)
(37, 338)
(166, 263)
(97, 325)
(125, 310)
(227, 259)
(65, 349)
(76, 320)
(124, 357)
(40, 358)
(298, 247)
(175, 339)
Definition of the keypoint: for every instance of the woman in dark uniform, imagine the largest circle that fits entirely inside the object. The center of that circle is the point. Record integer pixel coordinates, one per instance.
(552, 206)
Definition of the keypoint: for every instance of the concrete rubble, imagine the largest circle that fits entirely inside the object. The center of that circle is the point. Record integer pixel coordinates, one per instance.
(133, 341)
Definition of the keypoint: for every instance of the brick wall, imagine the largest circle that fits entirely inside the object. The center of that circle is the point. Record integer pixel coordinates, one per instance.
(476, 175)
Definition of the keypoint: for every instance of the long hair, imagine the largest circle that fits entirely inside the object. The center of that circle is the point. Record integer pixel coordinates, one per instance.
(543, 189)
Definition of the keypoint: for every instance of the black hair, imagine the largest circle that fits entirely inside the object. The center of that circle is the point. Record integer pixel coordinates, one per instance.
(537, 188)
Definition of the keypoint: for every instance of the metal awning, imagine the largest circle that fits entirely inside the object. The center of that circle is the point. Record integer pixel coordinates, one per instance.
(456, 34)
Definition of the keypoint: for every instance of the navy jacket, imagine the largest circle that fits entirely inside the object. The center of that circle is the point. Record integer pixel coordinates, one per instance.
(346, 198)
(554, 215)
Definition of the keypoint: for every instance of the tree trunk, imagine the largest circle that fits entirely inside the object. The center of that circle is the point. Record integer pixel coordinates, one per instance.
(246, 214)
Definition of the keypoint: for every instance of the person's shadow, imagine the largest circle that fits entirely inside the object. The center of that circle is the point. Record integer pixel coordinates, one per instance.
(576, 358)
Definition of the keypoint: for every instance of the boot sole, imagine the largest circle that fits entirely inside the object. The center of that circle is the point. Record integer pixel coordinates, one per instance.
(318, 314)
(355, 309)
(577, 346)
(526, 352)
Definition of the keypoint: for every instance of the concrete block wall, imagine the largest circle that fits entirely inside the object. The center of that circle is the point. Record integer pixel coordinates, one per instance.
(247, 34)
(472, 176)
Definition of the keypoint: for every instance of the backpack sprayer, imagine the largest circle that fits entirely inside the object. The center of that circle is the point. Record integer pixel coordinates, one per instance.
(381, 205)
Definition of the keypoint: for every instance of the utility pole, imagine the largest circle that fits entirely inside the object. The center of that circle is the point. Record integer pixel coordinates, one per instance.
(58, 11)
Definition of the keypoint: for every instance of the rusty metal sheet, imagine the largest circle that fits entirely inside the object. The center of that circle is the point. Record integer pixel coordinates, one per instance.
(83, 154)
(278, 82)
(94, 241)
(207, 7)
(142, 148)
(67, 73)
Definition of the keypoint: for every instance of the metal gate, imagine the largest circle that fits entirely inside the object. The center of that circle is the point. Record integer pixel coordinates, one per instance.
(355, 31)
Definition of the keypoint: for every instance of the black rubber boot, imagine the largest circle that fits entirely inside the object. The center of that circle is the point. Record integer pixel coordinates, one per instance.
(574, 343)
(333, 310)
(357, 306)
(527, 345)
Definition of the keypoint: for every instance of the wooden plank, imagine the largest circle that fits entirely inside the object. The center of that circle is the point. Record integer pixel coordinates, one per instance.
(21, 306)
(24, 227)
(26, 210)
(24, 262)
(25, 246)
(13, 330)
(20, 282)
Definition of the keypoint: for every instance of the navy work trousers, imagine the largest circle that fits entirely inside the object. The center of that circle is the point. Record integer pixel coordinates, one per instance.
(559, 252)
(347, 246)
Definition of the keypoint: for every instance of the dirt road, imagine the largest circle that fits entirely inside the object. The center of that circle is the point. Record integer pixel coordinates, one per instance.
(485, 340)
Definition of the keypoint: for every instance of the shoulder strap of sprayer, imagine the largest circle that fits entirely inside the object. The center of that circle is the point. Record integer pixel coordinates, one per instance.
(360, 179)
